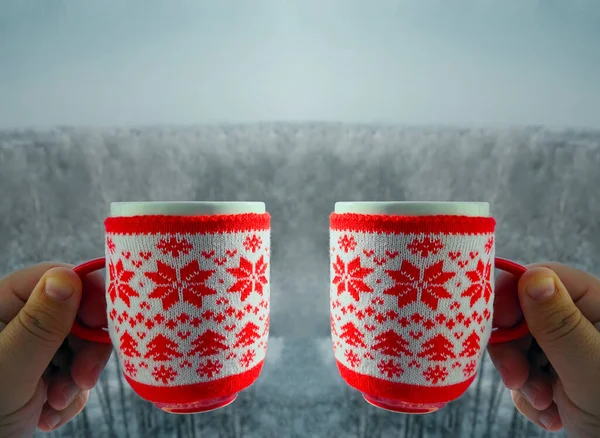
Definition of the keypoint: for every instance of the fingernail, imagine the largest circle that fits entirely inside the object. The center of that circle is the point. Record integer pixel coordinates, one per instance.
(542, 289)
(52, 419)
(529, 393)
(69, 392)
(58, 289)
(547, 420)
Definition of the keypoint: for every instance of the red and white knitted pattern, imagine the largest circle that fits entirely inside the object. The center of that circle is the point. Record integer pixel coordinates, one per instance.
(188, 302)
(411, 302)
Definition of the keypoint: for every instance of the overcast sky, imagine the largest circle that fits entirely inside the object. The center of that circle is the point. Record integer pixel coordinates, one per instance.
(123, 62)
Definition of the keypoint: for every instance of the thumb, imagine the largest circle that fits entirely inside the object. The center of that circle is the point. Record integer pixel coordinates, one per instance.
(32, 338)
(571, 343)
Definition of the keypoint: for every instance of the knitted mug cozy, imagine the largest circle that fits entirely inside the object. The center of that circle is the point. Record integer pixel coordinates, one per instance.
(187, 305)
(411, 305)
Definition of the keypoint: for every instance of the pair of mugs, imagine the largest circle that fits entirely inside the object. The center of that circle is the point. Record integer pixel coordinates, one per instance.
(188, 299)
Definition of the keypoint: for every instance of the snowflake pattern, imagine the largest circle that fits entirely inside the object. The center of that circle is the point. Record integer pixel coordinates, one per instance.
(164, 374)
(347, 243)
(110, 244)
(247, 358)
(352, 358)
(252, 243)
(481, 286)
(414, 284)
(210, 368)
(469, 368)
(425, 246)
(129, 368)
(119, 283)
(250, 277)
(389, 368)
(435, 374)
(489, 245)
(175, 246)
(171, 281)
(350, 277)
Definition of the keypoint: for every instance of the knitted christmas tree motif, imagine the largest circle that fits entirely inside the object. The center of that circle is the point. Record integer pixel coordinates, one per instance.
(208, 343)
(247, 335)
(188, 307)
(409, 305)
(161, 348)
(129, 346)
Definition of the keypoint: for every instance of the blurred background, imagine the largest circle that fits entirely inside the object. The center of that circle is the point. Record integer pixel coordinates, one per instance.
(393, 61)
(299, 104)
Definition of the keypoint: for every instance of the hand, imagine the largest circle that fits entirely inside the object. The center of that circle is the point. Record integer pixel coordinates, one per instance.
(554, 373)
(45, 374)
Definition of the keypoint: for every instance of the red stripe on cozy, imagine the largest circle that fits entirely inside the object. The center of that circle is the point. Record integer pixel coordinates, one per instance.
(195, 392)
(402, 391)
(210, 224)
(435, 224)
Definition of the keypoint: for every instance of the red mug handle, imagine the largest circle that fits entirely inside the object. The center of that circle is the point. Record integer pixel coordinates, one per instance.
(99, 335)
(500, 335)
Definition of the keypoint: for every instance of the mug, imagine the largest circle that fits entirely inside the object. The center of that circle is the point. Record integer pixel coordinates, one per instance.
(187, 293)
(411, 299)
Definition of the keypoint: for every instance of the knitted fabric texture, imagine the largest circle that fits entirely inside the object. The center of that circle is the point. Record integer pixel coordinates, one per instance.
(411, 302)
(188, 302)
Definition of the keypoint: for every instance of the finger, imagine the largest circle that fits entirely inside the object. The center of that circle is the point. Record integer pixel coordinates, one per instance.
(510, 359)
(88, 362)
(90, 357)
(19, 424)
(31, 339)
(62, 390)
(538, 390)
(51, 419)
(16, 288)
(559, 327)
(583, 288)
(548, 419)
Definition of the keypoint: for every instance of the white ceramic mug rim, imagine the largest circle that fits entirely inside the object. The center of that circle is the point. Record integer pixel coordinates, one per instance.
(185, 208)
(414, 208)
